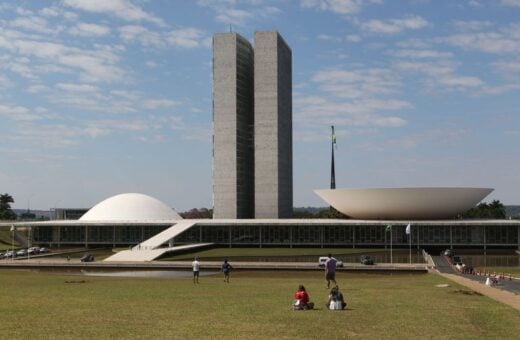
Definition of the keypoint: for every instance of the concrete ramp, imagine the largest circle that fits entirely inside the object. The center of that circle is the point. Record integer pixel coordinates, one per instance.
(145, 255)
(151, 249)
(164, 236)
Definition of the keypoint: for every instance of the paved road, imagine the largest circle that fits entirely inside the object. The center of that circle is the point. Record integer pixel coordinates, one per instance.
(444, 267)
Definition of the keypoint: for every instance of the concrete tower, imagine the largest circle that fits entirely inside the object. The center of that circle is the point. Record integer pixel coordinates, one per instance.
(233, 100)
(273, 126)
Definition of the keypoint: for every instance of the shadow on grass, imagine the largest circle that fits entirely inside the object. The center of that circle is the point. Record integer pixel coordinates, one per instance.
(466, 292)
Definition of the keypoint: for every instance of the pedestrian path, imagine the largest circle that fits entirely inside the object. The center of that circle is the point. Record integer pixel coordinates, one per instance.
(497, 294)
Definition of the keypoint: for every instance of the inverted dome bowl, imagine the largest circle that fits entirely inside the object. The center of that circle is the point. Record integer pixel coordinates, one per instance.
(403, 203)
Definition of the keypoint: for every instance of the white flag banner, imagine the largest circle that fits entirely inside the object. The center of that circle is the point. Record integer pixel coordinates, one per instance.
(408, 229)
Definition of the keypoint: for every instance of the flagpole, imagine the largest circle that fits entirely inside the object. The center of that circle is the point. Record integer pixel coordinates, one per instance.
(12, 243)
(332, 167)
(410, 240)
(391, 257)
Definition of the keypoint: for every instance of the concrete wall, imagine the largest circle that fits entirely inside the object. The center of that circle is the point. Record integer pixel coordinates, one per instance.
(233, 172)
(273, 126)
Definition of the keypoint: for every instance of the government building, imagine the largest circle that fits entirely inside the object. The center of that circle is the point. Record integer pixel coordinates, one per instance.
(253, 185)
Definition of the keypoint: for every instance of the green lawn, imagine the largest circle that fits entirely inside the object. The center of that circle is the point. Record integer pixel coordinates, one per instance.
(253, 305)
(6, 240)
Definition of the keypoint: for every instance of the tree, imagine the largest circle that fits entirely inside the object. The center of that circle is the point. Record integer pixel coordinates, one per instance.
(197, 213)
(331, 213)
(494, 209)
(6, 213)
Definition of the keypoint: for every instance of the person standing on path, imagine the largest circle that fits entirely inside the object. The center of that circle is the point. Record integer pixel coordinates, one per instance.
(330, 271)
(226, 268)
(196, 267)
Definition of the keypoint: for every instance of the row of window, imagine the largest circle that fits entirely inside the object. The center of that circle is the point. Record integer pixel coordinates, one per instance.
(284, 235)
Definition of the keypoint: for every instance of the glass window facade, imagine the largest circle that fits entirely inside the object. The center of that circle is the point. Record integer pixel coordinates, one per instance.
(348, 235)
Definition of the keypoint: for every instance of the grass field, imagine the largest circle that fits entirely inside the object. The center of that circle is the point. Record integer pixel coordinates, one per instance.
(253, 305)
(5, 239)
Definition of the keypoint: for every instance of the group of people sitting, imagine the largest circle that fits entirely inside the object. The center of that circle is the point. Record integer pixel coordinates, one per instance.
(335, 302)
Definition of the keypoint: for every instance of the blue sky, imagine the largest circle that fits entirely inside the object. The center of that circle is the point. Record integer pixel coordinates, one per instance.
(103, 97)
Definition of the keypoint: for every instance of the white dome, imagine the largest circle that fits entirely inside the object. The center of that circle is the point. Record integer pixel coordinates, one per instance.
(130, 207)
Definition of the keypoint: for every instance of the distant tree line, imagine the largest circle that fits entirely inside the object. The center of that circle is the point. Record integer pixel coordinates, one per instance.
(197, 213)
(330, 213)
(493, 210)
(297, 213)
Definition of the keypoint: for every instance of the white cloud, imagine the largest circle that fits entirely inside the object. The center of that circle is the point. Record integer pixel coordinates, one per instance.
(77, 87)
(142, 35)
(357, 83)
(158, 103)
(353, 38)
(392, 26)
(20, 67)
(337, 6)
(94, 65)
(186, 37)
(440, 75)
(488, 42)
(358, 97)
(327, 37)
(89, 30)
(229, 13)
(18, 113)
(513, 3)
(36, 24)
(421, 54)
(4, 81)
(23, 11)
(446, 135)
(50, 12)
(151, 64)
(472, 25)
(123, 9)
(37, 88)
(233, 16)
(507, 66)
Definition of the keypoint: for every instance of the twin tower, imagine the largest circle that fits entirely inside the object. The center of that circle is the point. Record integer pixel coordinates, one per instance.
(252, 127)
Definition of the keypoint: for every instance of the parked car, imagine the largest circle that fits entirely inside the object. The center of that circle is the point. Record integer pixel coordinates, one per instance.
(456, 260)
(43, 250)
(366, 259)
(9, 253)
(87, 258)
(33, 251)
(323, 259)
(21, 252)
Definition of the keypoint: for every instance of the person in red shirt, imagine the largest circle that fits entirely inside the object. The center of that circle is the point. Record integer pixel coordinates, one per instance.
(302, 299)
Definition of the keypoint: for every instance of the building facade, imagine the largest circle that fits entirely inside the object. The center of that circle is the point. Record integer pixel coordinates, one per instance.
(273, 127)
(233, 148)
(252, 127)
(457, 234)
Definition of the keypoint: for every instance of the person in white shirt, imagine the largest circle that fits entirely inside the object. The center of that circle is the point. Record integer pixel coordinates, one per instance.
(196, 267)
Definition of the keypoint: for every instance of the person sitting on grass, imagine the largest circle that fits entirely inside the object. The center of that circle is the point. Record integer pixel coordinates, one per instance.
(302, 300)
(336, 300)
